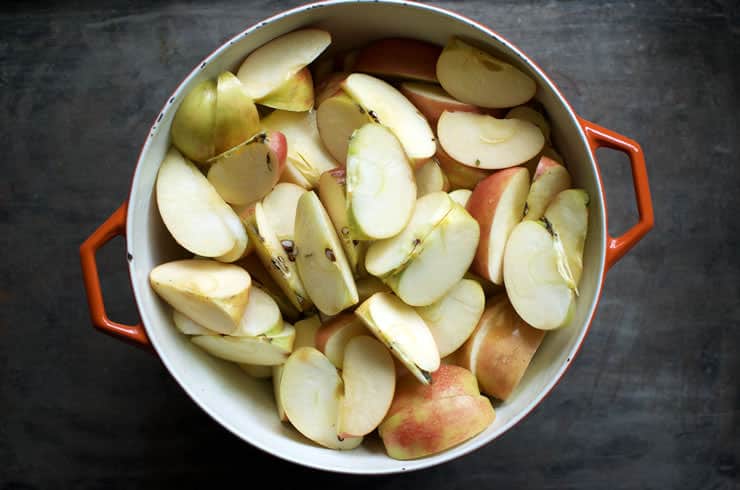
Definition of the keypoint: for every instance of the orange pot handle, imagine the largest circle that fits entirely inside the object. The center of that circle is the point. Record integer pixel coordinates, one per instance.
(600, 137)
(114, 226)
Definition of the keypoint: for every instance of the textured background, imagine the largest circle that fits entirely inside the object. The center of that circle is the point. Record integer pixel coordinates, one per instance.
(651, 402)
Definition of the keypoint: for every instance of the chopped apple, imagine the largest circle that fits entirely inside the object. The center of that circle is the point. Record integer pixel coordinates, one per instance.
(305, 336)
(430, 178)
(268, 67)
(369, 377)
(212, 294)
(526, 113)
(461, 196)
(432, 101)
(380, 185)
(453, 318)
(387, 106)
(193, 212)
(475, 77)
(237, 119)
(309, 389)
(367, 286)
(330, 87)
(321, 262)
(263, 350)
(280, 207)
(291, 174)
(295, 94)
(337, 118)
(188, 326)
(263, 280)
(246, 173)
(333, 336)
(550, 178)
(567, 217)
(444, 258)
(258, 372)
(536, 288)
(399, 58)
(482, 141)
(497, 203)
(194, 122)
(500, 350)
(460, 176)
(403, 331)
(260, 316)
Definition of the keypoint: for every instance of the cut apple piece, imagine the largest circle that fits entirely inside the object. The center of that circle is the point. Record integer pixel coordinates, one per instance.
(497, 203)
(399, 58)
(337, 118)
(260, 316)
(323, 268)
(369, 377)
(264, 350)
(389, 255)
(257, 372)
(387, 106)
(567, 217)
(212, 294)
(305, 332)
(380, 185)
(237, 119)
(306, 154)
(482, 141)
(461, 196)
(333, 195)
(268, 67)
(475, 77)
(193, 212)
(333, 336)
(280, 209)
(432, 101)
(458, 175)
(526, 113)
(550, 178)
(536, 288)
(194, 122)
(403, 331)
(430, 178)
(367, 286)
(330, 87)
(309, 389)
(263, 280)
(453, 318)
(295, 94)
(188, 326)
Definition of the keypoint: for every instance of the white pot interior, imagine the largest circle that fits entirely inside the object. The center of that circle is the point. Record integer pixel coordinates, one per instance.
(244, 405)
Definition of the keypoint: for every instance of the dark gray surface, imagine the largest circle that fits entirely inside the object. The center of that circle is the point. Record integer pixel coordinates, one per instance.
(652, 400)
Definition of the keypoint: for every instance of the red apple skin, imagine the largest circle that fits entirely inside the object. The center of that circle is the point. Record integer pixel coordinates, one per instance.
(400, 58)
(544, 165)
(329, 87)
(278, 144)
(460, 176)
(431, 108)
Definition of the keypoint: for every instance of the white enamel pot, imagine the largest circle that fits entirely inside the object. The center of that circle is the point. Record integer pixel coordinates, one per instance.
(245, 406)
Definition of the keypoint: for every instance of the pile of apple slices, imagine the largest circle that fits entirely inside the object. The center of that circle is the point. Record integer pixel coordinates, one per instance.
(385, 258)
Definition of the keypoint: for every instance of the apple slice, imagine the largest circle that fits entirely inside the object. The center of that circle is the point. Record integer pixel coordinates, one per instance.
(475, 77)
(380, 185)
(306, 154)
(399, 58)
(263, 280)
(536, 288)
(369, 377)
(459, 176)
(305, 336)
(387, 106)
(264, 350)
(497, 203)
(260, 316)
(430, 178)
(526, 113)
(453, 318)
(444, 258)
(268, 67)
(367, 286)
(246, 173)
(333, 336)
(193, 126)
(309, 388)
(257, 372)
(295, 94)
(323, 268)
(333, 195)
(210, 293)
(432, 101)
(389, 255)
(482, 141)
(188, 326)
(403, 331)
(236, 116)
(461, 196)
(280, 207)
(550, 178)
(193, 212)
(337, 118)
(567, 217)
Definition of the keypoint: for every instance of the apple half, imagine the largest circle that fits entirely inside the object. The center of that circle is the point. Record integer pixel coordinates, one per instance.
(264, 350)
(337, 118)
(399, 58)
(432, 100)
(333, 336)
(550, 178)
(295, 94)
(430, 178)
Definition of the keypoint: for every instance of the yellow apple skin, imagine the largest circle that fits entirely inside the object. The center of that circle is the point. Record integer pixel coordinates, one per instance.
(295, 94)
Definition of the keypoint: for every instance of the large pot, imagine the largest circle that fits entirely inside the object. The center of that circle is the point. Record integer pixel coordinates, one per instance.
(245, 406)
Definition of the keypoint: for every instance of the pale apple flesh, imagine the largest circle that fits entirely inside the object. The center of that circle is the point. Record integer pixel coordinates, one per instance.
(399, 58)
(430, 178)
(263, 350)
(264, 281)
(461, 196)
(567, 217)
(527, 113)
(260, 316)
(337, 118)
(188, 326)
(295, 94)
(280, 207)
(334, 335)
(257, 372)
(550, 178)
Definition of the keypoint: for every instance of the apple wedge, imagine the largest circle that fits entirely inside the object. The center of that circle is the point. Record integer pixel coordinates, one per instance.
(263, 350)
(432, 101)
(322, 266)
(309, 389)
(267, 68)
(459, 176)
(264, 281)
(403, 331)
(497, 203)
(444, 258)
(333, 336)
(257, 372)
(550, 178)
(430, 178)
(536, 288)
(482, 141)
(306, 154)
(461, 196)
(453, 318)
(369, 377)
(260, 316)
(280, 207)
(193, 126)
(295, 94)
(188, 326)
(246, 173)
(399, 58)
(236, 116)
(475, 77)
(337, 118)
(367, 286)
(526, 113)
(193, 212)
(567, 218)
(380, 185)
(212, 294)
(387, 106)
